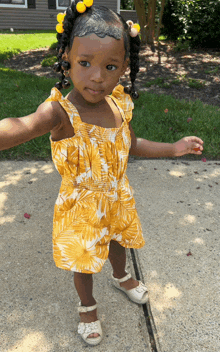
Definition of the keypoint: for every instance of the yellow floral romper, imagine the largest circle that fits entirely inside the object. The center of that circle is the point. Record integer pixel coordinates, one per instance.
(95, 203)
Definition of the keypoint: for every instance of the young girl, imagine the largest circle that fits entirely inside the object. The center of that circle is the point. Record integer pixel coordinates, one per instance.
(91, 137)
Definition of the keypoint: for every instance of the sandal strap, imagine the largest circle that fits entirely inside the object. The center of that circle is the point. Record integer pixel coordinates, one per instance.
(84, 309)
(123, 279)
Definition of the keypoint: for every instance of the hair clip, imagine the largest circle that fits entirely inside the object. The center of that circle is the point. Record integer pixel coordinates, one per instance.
(82, 5)
(134, 29)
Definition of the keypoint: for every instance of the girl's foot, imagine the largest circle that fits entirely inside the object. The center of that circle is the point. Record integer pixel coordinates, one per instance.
(129, 284)
(135, 290)
(89, 317)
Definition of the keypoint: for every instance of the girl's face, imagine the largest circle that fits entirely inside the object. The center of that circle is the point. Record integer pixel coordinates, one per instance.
(96, 65)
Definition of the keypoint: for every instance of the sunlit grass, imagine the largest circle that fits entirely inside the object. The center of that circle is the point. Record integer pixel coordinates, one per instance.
(20, 95)
(162, 118)
(14, 43)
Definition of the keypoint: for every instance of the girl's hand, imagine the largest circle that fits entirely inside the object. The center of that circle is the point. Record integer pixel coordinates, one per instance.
(188, 145)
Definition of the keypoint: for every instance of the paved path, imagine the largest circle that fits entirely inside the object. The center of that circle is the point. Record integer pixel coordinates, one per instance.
(179, 206)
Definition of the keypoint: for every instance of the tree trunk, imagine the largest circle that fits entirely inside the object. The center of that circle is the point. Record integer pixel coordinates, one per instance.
(160, 19)
(151, 21)
(158, 30)
(140, 9)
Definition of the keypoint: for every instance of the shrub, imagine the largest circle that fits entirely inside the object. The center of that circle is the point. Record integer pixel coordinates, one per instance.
(194, 20)
(173, 27)
(204, 29)
(49, 61)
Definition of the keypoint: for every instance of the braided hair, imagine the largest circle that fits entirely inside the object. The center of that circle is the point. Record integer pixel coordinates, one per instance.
(103, 22)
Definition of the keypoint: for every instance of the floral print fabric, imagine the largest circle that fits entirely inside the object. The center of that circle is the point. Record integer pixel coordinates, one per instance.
(95, 203)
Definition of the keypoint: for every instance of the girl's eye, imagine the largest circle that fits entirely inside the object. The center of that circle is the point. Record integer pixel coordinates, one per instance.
(88, 66)
(113, 66)
(83, 62)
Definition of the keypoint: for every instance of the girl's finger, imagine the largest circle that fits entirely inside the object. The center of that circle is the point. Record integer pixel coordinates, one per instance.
(195, 139)
(198, 147)
(198, 140)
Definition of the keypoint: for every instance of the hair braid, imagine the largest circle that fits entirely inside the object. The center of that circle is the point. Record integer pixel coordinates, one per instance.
(101, 21)
(135, 44)
(64, 41)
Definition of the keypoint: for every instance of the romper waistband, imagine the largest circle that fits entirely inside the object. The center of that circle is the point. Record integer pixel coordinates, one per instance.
(99, 186)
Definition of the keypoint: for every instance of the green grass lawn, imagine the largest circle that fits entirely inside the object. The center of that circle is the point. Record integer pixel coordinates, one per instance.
(14, 43)
(158, 118)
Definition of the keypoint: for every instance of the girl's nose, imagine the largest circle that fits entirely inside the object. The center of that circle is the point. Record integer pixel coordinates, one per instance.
(97, 76)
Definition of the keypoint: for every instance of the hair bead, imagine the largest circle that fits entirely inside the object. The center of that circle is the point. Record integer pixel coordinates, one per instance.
(65, 83)
(127, 90)
(58, 85)
(81, 7)
(65, 65)
(60, 17)
(57, 67)
(59, 28)
(88, 3)
(135, 95)
(133, 32)
(131, 91)
(134, 28)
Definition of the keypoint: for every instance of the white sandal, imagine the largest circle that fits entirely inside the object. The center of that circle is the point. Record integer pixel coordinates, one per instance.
(85, 329)
(138, 294)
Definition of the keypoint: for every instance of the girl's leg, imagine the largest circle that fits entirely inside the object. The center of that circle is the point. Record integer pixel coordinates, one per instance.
(117, 257)
(84, 287)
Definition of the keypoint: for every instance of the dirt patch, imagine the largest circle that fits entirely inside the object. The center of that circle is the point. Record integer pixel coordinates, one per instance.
(189, 75)
(30, 62)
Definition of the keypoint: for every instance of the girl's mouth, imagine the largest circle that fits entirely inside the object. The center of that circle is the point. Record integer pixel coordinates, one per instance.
(94, 91)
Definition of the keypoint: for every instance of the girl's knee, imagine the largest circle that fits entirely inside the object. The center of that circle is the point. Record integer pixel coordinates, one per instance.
(82, 276)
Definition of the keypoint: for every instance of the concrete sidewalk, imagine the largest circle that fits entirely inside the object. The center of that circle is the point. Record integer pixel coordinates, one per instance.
(179, 206)
(39, 301)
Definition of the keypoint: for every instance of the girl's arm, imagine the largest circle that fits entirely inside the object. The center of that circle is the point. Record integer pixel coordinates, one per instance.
(143, 147)
(15, 131)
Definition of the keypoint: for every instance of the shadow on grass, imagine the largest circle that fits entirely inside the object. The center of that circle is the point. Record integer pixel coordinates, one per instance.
(190, 75)
(6, 55)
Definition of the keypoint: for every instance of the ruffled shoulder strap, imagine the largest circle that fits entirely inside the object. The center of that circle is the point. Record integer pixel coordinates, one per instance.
(55, 95)
(70, 109)
(124, 101)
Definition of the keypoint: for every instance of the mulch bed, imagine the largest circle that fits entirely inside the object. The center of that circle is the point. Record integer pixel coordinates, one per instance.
(200, 65)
